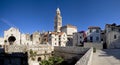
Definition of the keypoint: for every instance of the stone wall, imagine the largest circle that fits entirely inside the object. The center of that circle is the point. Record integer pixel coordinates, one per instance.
(70, 52)
(95, 45)
(13, 59)
(15, 48)
(86, 59)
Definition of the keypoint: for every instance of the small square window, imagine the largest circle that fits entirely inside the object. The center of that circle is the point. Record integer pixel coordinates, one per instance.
(97, 31)
(119, 30)
(115, 36)
(55, 39)
(97, 38)
(80, 37)
(90, 30)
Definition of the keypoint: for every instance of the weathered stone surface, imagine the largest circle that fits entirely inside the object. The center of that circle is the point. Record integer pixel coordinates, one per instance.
(106, 57)
(86, 59)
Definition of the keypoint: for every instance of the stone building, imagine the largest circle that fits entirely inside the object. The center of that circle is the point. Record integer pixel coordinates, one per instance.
(36, 38)
(16, 42)
(12, 36)
(69, 30)
(26, 39)
(112, 35)
(44, 38)
(57, 39)
(93, 34)
(78, 38)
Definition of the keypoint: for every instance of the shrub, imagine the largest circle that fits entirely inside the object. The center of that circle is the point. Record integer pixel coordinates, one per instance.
(94, 50)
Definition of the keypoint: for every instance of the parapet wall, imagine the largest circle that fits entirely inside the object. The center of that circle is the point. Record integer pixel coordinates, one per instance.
(70, 51)
(86, 59)
(95, 45)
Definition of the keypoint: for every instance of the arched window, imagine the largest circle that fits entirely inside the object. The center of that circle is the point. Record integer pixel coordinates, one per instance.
(39, 58)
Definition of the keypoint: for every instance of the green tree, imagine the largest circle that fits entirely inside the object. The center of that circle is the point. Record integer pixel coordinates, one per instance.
(32, 54)
(52, 61)
(44, 62)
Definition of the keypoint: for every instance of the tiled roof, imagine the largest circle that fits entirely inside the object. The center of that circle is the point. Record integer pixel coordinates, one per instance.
(57, 33)
(69, 26)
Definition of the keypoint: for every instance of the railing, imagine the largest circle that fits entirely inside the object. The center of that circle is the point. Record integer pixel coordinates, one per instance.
(86, 59)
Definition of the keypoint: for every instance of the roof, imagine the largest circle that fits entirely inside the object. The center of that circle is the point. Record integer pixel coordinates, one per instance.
(69, 26)
(57, 33)
(113, 25)
(58, 9)
(81, 31)
(94, 27)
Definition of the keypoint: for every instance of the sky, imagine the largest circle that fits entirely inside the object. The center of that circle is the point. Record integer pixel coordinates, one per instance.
(38, 15)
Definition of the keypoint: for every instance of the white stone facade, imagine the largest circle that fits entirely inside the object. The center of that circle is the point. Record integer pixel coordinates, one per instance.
(69, 30)
(58, 21)
(12, 36)
(36, 38)
(25, 39)
(57, 39)
(93, 34)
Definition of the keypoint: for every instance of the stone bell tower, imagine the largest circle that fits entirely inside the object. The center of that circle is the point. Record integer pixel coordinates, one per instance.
(58, 21)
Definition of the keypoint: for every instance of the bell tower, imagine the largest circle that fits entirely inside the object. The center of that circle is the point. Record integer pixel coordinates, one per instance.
(58, 21)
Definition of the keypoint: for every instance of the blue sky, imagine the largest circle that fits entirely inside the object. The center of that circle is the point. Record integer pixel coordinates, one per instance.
(38, 15)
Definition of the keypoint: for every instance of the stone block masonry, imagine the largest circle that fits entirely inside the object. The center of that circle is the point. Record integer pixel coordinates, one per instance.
(86, 59)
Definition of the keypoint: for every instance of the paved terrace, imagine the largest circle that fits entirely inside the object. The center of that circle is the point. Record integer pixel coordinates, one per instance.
(106, 57)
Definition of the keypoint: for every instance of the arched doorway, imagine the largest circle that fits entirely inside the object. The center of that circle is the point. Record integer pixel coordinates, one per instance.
(11, 40)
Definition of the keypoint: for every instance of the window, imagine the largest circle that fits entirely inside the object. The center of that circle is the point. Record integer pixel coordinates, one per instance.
(39, 39)
(55, 43)
(59, 43)
(49, 39)
(119, 30)
(80, 41)
(102, 39)
(59, 23)
(97, 31)
(97, 38)
(91, 39)
(80, 37)
(39, 58)
(112, 29)
(115, 36)
(55, 39)
(90, 30)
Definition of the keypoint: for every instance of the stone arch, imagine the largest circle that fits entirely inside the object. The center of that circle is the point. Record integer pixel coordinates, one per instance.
(11, 40)
(39, 59)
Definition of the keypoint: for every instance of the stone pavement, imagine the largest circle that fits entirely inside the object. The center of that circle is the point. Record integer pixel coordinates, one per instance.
(106, 57)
